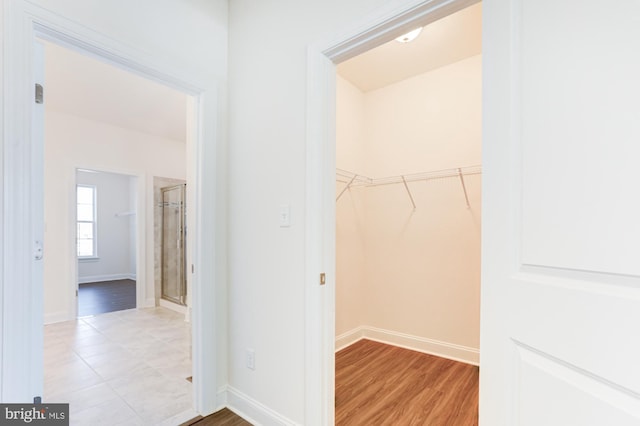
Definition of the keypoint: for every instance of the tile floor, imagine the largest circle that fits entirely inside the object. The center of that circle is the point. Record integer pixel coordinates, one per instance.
(121, 368)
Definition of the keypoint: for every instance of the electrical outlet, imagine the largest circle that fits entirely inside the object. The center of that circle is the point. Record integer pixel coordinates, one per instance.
(285, 216)
(251, 359)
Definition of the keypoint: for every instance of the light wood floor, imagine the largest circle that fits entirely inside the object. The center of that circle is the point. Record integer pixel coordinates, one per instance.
(378, 384)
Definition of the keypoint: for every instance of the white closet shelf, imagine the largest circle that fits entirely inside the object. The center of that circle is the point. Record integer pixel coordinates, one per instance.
(354, 179)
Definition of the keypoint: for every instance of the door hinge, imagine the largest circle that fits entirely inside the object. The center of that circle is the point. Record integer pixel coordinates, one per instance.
(39, 94)
(323, 278)
(76, 292)
(38, 250)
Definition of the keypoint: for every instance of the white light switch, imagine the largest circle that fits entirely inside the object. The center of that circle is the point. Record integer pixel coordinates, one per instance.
(285, 215)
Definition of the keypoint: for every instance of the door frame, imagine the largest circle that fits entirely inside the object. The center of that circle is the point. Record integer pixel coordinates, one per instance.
(22, 293)
(140, 234)
(384, 25)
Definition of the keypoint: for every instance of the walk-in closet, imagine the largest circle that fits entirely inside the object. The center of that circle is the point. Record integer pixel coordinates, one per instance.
(408, 181)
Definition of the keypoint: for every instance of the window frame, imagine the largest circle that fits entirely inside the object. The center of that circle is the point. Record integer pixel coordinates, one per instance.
(94, 222)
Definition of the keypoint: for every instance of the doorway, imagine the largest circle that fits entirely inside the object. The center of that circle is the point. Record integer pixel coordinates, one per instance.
(321, 187)
(173, 232)
(23, 158)
(105, 241)
(408, 156)
(102, 153)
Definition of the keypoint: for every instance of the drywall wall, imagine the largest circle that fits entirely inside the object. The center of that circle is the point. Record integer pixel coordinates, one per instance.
(72, 142)
(351, 151)
(115, 218)
(268, 44)
(421, 271)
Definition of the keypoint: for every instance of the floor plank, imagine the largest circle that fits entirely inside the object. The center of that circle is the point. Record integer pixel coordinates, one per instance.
(106, 296)
(378, 384)
(224, 417)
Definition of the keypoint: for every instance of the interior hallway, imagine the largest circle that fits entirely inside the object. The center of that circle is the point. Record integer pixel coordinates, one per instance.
(121, 368)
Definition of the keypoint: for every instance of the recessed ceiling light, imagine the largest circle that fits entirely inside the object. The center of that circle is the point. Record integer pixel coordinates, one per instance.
(410, 36)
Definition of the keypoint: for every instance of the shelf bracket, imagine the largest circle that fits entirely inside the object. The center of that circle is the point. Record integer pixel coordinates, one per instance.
(464, 187)
(408, 192)
(346, 187)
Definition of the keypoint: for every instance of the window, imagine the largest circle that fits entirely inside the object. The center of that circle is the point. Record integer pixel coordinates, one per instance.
(86, 217)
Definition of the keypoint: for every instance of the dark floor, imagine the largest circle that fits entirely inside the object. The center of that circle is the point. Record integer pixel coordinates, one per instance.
(106, 296)
(224, 417)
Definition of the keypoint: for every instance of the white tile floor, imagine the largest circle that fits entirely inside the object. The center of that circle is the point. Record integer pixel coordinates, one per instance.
(121, 368)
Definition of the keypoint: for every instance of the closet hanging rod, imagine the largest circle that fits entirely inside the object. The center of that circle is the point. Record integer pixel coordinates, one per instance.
(361, 180)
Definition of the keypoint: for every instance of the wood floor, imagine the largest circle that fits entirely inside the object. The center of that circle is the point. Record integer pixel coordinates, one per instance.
(224, 417)
(106, 296)
(378, 384)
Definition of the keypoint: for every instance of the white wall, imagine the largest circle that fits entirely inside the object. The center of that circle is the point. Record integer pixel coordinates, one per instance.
(268, 43)
(72, 142)
(351, 153)
(421, 271)
(115, 242)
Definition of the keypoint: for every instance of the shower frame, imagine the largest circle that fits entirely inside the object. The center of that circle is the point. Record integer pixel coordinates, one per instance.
(180, 242)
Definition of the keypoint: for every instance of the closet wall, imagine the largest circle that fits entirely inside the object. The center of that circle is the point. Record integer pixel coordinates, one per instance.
(405, 276)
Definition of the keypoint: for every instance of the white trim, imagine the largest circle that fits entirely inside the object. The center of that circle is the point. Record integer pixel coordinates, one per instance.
(441, 349)
(108, 277)
(181, 309)
(383, 25)
(22, 378)
(348, 338)
(59, 316)
(253, 411)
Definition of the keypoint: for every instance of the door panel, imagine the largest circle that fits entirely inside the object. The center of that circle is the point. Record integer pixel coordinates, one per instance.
(561, 230)
(572, 397)
(580, 125)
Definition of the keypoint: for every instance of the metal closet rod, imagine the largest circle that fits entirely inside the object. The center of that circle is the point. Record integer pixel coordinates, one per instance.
(353, 179)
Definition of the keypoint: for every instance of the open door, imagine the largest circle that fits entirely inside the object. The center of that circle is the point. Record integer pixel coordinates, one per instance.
(561, 213)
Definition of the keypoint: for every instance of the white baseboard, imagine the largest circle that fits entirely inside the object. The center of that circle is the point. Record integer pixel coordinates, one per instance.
(101, 278)
(349, 338)
(59, 316)
(447, 350)
(253, 411)
(181, 309)
(149, 303)
(221, 398)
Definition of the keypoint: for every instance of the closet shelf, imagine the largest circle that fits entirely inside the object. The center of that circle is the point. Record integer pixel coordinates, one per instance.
(352, 179)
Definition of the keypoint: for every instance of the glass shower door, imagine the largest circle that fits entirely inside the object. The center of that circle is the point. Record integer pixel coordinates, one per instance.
(174, 286)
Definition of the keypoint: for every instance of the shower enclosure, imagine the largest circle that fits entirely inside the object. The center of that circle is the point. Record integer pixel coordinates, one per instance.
(174, 277)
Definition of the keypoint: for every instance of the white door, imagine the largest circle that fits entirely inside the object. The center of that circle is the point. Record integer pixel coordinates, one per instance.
(37, 222)
(560, 329)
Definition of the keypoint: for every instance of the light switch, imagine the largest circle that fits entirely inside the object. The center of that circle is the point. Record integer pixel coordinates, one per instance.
(285, 215)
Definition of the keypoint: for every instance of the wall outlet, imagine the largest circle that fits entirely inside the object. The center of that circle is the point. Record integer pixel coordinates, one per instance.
(251, 359)
(285, 216)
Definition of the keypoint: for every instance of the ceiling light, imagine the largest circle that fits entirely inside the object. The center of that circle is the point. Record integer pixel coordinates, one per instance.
(410, 36)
